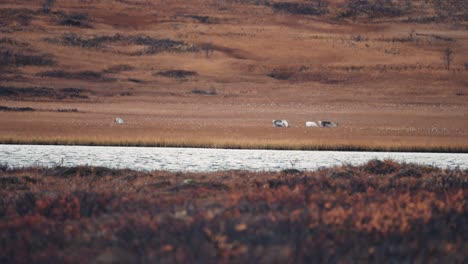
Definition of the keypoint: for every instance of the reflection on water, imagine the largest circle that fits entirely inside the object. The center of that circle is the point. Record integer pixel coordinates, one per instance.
(196, 159)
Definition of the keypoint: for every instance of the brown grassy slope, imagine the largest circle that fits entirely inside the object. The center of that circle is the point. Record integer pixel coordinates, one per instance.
(381, 211)
(381, 79)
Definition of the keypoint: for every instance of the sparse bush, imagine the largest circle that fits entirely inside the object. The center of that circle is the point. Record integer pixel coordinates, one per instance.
(75, 20)
(208, 48)
(178, 74)
(281, 74)
(135, 80)
(205, 19)
(204, 92)
(447, 58)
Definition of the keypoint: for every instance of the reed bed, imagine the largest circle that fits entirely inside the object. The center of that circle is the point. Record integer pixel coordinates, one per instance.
(381, 211)
(239, 144)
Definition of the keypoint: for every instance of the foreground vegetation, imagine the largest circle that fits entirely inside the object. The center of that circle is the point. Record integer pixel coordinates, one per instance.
(381, 211)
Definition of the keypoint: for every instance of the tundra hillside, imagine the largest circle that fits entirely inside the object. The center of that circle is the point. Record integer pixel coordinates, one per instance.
(378, 212)
(392, 74)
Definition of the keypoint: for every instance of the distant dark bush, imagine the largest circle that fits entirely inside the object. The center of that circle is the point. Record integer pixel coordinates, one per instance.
(77, 93)
(83, 75)
(16, 109)
(204, 19)
(374, 8)
(153, 45)
(424, 20)
(74, 20)
(135, 80)
(204, 92)
(281, 74)
(119, 68)
(8, 57)
(67, 110)
(72, 90)
(12, 42)
(21, 16)
(178, 74)
(298, 8)
(29, 91)
(14, 92)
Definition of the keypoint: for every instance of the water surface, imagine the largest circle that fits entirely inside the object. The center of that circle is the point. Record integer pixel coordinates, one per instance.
(198, 159)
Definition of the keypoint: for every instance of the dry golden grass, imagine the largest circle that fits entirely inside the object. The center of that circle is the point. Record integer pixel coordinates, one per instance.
(382, 80)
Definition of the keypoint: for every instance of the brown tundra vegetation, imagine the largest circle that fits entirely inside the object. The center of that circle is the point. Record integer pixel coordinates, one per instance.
(379, 212)
(214, 73)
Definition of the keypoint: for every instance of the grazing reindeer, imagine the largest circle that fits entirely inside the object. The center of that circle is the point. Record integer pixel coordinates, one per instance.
(280, 123)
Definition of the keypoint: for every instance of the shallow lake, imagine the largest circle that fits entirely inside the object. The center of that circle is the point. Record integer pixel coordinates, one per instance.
(197, 159)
